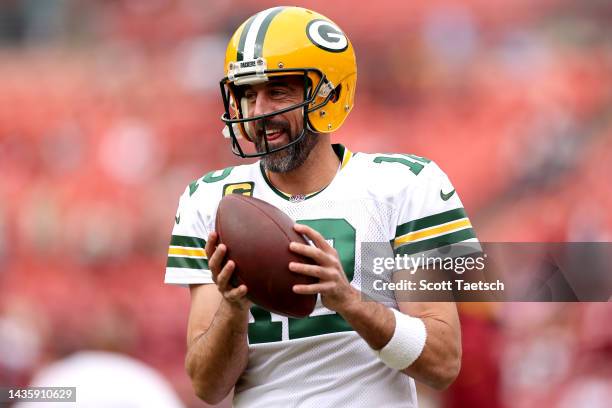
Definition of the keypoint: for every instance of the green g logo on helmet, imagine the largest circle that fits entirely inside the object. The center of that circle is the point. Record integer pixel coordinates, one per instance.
(326, 35)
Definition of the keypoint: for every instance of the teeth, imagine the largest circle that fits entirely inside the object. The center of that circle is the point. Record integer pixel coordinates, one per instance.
(271, 131)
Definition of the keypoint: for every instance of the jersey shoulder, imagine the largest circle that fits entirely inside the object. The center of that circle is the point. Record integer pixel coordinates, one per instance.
(202, 195)
(213, 185)
(394, 173)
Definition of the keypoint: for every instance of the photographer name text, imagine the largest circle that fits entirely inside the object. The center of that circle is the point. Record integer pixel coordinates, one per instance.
(446, 285)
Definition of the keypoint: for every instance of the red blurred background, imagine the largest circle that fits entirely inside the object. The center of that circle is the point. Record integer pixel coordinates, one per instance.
(108, 108)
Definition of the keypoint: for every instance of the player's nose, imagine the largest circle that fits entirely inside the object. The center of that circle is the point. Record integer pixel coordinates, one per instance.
(262, 105)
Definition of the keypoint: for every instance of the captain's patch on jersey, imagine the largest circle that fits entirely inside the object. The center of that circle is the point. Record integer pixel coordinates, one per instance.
(244, 188)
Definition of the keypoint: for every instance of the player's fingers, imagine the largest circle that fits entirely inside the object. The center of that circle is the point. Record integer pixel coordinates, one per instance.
(236, 294)
(211, 243)
(314, 253)
(312, 289)
(310, 270)
(314, 236)
(224, 276)
(216, 259)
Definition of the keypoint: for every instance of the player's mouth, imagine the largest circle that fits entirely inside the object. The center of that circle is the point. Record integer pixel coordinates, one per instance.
(273, 134)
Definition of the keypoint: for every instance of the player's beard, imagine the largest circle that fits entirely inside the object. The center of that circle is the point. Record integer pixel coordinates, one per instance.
(291, 157)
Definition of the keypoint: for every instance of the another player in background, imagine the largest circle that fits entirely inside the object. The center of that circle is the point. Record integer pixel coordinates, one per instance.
(290, 83)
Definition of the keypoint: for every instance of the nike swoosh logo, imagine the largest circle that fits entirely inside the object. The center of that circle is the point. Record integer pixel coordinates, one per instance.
(446, 196)
(177, 219)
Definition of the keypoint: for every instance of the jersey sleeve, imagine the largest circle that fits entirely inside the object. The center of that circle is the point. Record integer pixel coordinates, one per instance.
(432, 220)
(187, 260)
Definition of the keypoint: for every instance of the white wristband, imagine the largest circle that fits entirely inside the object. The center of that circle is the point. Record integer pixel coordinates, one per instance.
(406, 344)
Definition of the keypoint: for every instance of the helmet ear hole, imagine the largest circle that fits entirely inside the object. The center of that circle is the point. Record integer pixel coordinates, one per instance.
(336, 96)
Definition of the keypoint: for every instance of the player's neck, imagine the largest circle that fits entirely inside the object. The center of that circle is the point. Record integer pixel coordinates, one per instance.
(315, 174)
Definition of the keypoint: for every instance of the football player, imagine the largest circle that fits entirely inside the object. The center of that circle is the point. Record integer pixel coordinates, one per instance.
(290, 83)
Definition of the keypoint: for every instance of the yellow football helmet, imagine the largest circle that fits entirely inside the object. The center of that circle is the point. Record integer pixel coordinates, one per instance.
(289, 41)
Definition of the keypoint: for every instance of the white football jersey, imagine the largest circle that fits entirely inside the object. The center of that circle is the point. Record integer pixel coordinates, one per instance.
(403, 202)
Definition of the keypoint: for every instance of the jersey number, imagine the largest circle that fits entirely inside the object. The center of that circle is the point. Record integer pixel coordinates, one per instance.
(412, 162)
(265, 330)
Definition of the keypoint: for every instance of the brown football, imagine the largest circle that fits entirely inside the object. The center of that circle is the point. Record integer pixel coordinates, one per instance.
(257, 236)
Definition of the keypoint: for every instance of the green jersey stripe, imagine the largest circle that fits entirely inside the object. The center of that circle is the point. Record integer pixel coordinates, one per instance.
(339, 149)
(430, 221)
(436, 242)
(185, 241)
(189, 263)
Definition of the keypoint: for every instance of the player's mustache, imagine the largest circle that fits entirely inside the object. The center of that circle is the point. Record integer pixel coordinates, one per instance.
(262, 125)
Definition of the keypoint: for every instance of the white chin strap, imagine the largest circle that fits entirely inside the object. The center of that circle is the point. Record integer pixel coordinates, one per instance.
(248, 126)
(226, 133)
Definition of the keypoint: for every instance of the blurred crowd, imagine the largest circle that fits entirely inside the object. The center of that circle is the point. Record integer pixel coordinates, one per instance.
(109, 108)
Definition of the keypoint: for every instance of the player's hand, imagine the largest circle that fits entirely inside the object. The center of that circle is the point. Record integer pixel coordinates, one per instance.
(336, 292)
(222, 273)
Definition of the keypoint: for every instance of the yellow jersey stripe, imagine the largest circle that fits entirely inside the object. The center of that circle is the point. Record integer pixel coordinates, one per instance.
(347, 156)
(186, 252)
(413, 236)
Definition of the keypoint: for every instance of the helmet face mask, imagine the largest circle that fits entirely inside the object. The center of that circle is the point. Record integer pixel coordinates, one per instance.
(285, 41)
(241, 125)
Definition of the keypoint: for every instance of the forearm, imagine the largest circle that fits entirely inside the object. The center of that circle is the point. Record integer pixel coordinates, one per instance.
(440, 360)
(374, 322)
(216, 358)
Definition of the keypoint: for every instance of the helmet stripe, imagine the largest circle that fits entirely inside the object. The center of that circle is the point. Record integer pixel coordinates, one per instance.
(260, 24)
(261, 35)
(243, 35)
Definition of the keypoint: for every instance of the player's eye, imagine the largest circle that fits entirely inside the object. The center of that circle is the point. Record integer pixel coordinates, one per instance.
(250, 95)
(277, 93)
